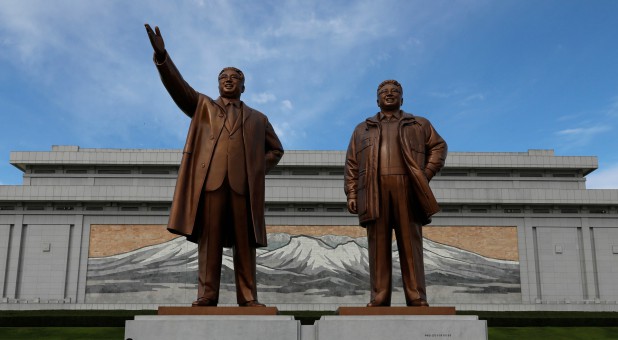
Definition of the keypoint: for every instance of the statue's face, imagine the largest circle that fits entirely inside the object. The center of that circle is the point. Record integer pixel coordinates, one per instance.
(390, 97)
(231, 84)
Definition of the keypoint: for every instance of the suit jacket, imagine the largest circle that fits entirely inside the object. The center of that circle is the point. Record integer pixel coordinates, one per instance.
(263, 150)
(424, 153)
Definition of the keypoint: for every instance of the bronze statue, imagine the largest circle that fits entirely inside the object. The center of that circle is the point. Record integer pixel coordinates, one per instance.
(219, 196)
(391, 158)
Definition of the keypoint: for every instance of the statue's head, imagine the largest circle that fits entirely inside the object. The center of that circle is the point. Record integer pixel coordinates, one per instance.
(231, 83)
(390, 95)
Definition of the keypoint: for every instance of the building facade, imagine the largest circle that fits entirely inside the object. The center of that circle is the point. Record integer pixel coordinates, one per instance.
(517, 231)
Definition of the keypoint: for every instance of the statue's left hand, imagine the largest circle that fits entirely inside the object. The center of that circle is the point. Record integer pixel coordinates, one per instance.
(352, 206)
(428, 174)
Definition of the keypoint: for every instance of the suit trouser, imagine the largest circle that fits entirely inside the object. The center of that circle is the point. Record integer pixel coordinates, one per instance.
(395, 213)
(225, 216)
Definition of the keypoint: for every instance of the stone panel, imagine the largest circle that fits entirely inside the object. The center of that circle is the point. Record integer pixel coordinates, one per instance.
(606, 254)
(559, 264)
(43, 265)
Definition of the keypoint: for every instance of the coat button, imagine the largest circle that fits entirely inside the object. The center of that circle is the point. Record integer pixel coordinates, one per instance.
(203, 165)
(212, 137)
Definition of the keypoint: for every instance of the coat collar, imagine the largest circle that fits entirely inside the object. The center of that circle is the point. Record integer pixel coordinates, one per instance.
(245, 108)
(220, 103)
(407, 117)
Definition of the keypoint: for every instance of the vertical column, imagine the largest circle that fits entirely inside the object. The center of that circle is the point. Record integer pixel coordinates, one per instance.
(582, 262)
(13, 258)
(588, 259)
(537, 264)
(74, 259)
(596, 293)
(5, 238)
(84, 247)
(532, 279)
(524, 258)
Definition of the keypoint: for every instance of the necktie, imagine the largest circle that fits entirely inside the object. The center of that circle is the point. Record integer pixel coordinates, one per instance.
(232, 115)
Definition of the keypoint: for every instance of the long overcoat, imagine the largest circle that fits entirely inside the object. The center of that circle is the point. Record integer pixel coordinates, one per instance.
(424, 153)
(263, 150)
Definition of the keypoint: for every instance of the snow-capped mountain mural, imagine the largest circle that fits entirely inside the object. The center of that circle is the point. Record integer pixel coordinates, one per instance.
(297, 269)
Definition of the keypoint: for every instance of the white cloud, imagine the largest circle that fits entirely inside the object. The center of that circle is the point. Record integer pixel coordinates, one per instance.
(263, 97)
(568, 117)
(590, 128)
(579, 137)
(612, 111)
(605, 178)
(279, 130)
(290, 134)
(91, 60)
(342, 23)
(94, 61)
(474, 97)
(584, 132)
(286, 104)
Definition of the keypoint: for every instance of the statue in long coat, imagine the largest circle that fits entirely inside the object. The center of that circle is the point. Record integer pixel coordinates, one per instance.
(219, 196)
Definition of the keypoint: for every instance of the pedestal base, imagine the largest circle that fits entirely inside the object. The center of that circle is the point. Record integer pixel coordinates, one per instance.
(352, 323)
(397, 327)
(219, 327)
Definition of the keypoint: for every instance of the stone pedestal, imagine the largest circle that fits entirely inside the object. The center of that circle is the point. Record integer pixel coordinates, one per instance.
(219, 327)
(221, 323)
(352, 323)
(398, 327)
(395, 323)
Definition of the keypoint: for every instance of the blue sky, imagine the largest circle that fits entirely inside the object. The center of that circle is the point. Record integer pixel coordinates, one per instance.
(503, 76)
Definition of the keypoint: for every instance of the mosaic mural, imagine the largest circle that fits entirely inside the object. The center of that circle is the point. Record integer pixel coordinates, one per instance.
(312, 264)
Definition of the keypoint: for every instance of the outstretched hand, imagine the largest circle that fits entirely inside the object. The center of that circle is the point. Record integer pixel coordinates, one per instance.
(156, 40)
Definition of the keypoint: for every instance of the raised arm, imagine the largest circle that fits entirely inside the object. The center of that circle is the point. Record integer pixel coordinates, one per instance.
(181, 92)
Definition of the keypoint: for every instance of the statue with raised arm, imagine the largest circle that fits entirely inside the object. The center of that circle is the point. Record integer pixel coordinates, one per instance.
(219, 196)
(391, 158)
